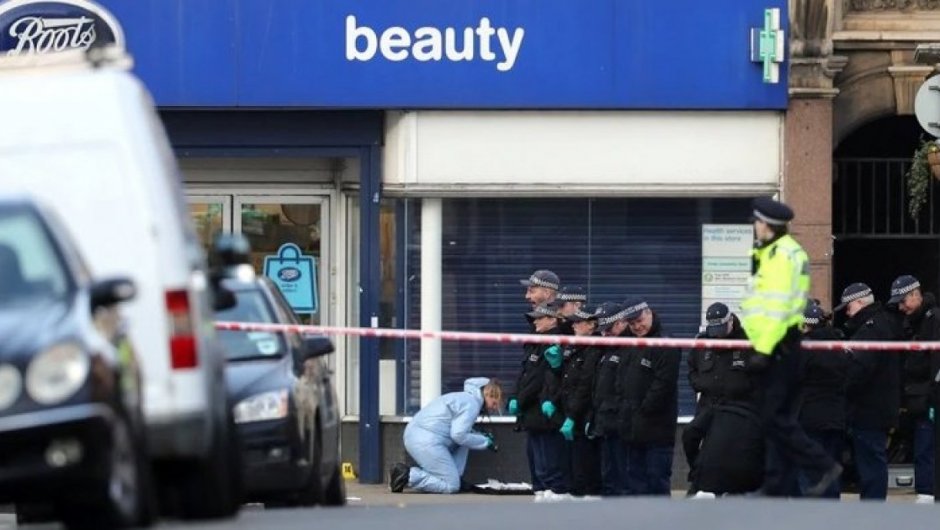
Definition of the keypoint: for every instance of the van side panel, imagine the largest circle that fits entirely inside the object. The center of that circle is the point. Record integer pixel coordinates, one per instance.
(90, 145)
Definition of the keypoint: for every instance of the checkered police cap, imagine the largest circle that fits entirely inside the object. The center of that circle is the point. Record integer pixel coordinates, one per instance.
(542, 278)
(901, 286)
(856, 291)
(572, 293)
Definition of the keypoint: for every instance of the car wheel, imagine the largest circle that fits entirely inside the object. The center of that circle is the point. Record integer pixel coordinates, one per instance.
(335, 493)
(119, 502)
(212, 487)
(309, 494)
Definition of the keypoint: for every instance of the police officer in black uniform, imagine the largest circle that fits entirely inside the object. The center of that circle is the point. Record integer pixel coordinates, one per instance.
(606, 401)
(649, 408)
(823, 404)
(724, 447)
(874, 380)
(721, 375)
(570, 298)
(921, 323)
(577, 389)
(538, 393)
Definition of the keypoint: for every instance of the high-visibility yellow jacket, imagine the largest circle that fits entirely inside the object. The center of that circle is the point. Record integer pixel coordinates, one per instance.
(777, 294)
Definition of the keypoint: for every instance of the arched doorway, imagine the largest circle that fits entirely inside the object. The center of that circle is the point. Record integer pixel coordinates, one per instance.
(876, 240)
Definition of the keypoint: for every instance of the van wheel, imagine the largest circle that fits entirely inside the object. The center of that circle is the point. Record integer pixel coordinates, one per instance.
(212, 487)
(121, 501)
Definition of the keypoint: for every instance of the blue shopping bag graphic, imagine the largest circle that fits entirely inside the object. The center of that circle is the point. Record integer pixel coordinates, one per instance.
(296, 276)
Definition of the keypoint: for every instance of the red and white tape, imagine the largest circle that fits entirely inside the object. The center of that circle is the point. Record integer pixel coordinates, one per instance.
(522, 338)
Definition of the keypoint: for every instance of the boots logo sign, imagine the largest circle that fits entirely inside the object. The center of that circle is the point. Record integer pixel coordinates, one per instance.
(37, 26)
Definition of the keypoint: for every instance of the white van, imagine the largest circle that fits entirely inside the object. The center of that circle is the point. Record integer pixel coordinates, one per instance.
(84, 137)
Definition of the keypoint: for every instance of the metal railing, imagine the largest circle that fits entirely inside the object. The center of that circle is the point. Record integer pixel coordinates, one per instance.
(870, 201)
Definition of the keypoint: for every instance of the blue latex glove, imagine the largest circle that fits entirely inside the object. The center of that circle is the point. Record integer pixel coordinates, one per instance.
(567, 429)
(548, 409)
(513, 407)
(930, 414)
(554, 356)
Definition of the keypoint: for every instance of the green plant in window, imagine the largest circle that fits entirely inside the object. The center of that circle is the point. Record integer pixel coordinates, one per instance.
(918, 176)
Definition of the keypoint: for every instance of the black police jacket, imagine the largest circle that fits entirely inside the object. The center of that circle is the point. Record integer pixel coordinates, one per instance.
(923, 325)
(537, 383)
(577, 384)
(605, 416)
(874, 378)
(724, 446)
(721, 375)
(825, 376)
(650, 385)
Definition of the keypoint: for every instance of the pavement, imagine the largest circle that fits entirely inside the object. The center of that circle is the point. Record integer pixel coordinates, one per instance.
(374, 506)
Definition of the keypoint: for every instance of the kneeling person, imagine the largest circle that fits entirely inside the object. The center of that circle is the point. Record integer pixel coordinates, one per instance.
(440, 437)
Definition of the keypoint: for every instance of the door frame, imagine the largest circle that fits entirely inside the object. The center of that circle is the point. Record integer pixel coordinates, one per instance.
(232, 196)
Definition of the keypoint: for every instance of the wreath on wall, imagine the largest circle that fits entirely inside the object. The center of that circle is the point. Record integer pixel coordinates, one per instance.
(926, 162)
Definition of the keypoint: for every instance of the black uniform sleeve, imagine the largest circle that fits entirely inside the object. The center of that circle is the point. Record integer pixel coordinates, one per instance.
(579, 401)
(862, 364)
(665, 381)
(694, 374)
(530, 384)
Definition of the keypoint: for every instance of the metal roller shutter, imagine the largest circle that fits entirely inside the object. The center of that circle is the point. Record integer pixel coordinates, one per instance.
(615, 248)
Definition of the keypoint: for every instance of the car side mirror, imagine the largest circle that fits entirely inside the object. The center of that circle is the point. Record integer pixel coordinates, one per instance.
(310, 348)
(107, 293)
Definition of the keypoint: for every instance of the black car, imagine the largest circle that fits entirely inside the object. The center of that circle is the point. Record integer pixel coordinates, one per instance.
(284, 401)
(71, 429)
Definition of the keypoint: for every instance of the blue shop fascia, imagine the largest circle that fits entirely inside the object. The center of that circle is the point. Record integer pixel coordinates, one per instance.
(594, 139)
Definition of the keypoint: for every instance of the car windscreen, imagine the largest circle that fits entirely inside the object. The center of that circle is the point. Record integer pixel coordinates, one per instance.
(31, 268)
(251, 307)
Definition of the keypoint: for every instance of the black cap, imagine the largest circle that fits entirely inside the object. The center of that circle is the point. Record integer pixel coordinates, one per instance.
(901, 286)
(608, 313)
(771, 212)
(572, 293)
(717, 317)
(852, 293)
(814, 315)
(542, 278)
(585, 313)
(634, 307)
(543, 310)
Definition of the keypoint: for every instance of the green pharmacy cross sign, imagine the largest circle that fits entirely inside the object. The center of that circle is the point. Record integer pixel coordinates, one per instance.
(767, 45)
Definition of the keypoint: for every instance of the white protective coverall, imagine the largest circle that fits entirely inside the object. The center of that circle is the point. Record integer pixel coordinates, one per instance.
(440, 436)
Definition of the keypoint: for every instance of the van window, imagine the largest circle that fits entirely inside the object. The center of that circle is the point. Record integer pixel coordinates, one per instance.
(30, 266)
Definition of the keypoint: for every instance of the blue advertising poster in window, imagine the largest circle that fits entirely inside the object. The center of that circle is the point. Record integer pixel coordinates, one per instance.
(296, 276)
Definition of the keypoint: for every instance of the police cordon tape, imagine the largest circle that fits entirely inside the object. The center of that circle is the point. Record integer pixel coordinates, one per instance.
(523, 338)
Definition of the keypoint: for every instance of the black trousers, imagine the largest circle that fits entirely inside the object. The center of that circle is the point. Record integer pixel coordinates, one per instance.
(788, 447)
(585, 466)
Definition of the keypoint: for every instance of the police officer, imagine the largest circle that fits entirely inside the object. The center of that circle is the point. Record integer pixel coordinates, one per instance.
(577, 388)
(541, 287)
(921, 323)
(650, 409)
(721, 375)
(771, 315)
(538, 393)
(823, 405)
(874, 380)
(570, 298)
(605, 414)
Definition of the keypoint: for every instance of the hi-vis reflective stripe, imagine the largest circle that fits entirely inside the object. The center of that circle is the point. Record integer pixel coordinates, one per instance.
(522, 338)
